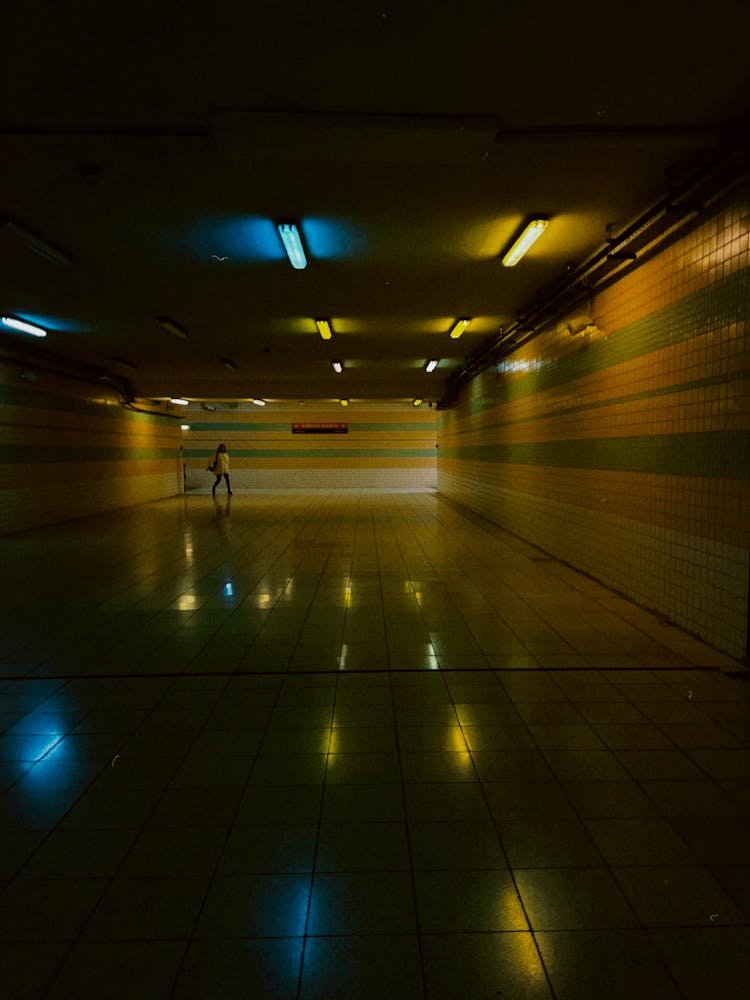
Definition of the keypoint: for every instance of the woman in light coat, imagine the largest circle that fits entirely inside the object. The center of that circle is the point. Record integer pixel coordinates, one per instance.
(220, 467)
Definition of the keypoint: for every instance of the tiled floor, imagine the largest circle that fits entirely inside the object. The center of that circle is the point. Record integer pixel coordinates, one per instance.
(357, 745)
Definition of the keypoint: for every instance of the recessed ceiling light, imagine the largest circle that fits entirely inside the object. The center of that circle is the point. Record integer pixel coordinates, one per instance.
(527, 238)
(324, 328)
(22, 326)
(178, 401)
(337, 366)
(431, 365)
(37, 243)
(259, 402)
(459, 327)
(171, 327)
(292, 241)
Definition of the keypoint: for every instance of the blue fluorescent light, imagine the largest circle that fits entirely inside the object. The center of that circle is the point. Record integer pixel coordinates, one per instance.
(18, 324)
(292, 244)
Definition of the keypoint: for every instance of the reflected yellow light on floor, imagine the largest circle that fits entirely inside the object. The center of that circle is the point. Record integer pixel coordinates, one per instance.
(188, 602)
(520, 951)
(348, 595)
(511, 915)
(465, 764)
(342, 657)
(457, 739)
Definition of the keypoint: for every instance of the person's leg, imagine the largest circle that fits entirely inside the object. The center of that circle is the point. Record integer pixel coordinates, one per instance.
(216, 483)
(229, 488)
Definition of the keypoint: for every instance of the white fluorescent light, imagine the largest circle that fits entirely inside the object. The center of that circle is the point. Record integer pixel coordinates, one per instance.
(178, 401)
(171, 327)
(324, 328)
(184, 427)
(459, 328)
(259, 402)
(23, 327)
(337, 366)
(431, 365)
(292, 244)
(525, 241)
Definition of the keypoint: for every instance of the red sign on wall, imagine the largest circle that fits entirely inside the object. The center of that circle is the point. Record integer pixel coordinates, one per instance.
(320, 428)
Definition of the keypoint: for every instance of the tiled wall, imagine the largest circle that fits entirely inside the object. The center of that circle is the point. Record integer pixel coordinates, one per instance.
(69, 449)
(386, 446)
(624, 450)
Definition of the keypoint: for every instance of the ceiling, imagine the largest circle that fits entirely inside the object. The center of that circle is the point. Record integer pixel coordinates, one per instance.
(157, 145)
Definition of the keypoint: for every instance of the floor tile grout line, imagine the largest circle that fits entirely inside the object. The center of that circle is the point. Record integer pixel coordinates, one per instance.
(109, 881)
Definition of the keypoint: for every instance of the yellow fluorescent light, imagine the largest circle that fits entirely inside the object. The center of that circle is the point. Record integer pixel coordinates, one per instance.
(417, 402)
(459, 328)
(344, 402)
(171, 327)
(324, 328)
(525, 241)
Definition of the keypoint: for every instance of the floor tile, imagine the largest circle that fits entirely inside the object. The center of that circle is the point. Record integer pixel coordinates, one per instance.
(573, 899)
(550, 801)
(106, 968)
(372, 967)
(591, 964)
(362, 903)
(445, 845)
(244, 906)
(707, 962)
(462, 901)
(266, 969)
(483, 965)
(352, 847)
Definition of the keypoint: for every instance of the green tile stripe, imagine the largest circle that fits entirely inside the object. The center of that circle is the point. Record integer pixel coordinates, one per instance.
(718, 454)
(300, 454)
(723, 303)
(22, 454)
(632, 397)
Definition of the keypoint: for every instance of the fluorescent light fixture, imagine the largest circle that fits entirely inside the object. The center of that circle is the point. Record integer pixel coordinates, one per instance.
(123, 363)
(524, 242)
(259, 402)
(417, 402)
(337, 366)
(344, 402)
(22, 326)
(36, 243)
(184, 427)
(292, 244)
(228, 363)
(178, 401)
(431, 365)
(459, 328)
(324, 328)
(171, 327)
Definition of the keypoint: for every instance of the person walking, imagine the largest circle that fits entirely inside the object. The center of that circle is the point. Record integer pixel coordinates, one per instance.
(220, 467)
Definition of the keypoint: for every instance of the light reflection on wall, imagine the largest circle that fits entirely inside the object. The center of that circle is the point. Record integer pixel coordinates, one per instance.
(187, 602)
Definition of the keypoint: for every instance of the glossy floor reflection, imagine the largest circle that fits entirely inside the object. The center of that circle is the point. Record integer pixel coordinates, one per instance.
(357, 745)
